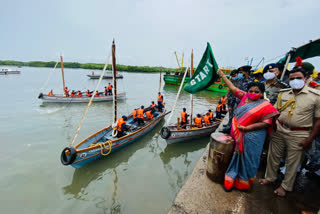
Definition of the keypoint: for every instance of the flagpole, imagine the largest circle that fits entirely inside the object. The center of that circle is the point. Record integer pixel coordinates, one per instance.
(285, 66)
(191, 73)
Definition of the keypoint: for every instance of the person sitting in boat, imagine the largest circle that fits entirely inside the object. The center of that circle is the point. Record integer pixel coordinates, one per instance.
(66, 91)
(219, 110)
(184, 118)
(206, 119)
(153, 107)
(211, 115)
(105, 91)
(135, 114)
(73, 93)
(149, 114)
(96, 94)
(224, 102)
(140, 115)
(160, 102)
(110, 89)
(50, 93)
(79, 94)
(122, 126)
(89, 93)
(198, 121)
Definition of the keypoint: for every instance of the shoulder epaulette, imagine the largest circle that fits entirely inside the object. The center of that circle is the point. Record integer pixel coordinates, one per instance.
(314, 91)
(286, 89)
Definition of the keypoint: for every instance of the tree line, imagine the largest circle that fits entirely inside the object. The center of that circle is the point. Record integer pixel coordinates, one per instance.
(97, 66)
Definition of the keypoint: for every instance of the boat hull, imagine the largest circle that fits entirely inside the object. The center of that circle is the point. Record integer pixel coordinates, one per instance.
(189, 134)
(176, 80)
(84, 99)
(119, 76)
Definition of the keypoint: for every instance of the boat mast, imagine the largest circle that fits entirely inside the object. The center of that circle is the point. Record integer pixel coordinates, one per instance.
(114, 80)
(64, 92)
(160, 81)
(191, 73)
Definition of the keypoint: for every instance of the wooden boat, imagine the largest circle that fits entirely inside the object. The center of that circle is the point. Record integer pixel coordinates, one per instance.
(5, 71)
(105, 141)
(105, 76)
(62, 98)
(174, 134)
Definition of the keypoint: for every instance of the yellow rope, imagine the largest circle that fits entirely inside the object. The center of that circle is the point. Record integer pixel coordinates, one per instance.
(102, 145)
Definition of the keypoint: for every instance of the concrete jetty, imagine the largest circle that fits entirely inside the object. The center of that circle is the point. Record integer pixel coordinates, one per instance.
(200, 195)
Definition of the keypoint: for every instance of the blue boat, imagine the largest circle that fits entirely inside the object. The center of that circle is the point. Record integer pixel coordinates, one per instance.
(102, 143)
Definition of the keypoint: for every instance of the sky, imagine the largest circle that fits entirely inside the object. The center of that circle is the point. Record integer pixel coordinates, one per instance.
(148, 32)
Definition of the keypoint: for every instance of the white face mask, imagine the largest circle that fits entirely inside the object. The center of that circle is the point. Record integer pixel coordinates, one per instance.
(297, 84)
(269, 75)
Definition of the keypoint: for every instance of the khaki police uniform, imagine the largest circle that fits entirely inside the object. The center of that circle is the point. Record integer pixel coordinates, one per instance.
(272, 90)
(294, 124)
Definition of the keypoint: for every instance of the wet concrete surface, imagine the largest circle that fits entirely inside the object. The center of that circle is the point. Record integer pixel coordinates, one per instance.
(201, 195)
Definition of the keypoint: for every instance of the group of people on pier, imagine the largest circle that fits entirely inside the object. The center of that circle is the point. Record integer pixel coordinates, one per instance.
(278, 116)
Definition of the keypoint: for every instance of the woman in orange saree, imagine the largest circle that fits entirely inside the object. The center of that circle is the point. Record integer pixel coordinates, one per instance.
(253, 117)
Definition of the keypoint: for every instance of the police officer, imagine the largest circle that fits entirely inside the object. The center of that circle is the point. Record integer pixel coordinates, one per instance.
(272, 84)
(297, 126)
(244, 76)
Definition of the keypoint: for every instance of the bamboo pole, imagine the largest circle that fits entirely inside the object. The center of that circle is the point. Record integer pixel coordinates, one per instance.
(114, 81)
(160, 82)
(63, 84)
(285, 66)
(191, 73)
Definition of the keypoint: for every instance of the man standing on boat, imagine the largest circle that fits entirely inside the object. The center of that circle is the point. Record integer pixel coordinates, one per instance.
(66, 91)
(160, 101)
(110, 89)
(121, 126)
(140, 115)
(184, 118)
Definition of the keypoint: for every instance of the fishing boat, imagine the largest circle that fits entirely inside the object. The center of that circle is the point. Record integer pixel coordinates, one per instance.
(175, 133)
(63, 98)
(107, 75)
(5, 71)
(105, 141)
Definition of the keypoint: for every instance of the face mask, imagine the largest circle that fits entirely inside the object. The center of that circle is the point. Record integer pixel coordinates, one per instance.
(240, 76)
(297, 84)
(269, 75)
(235, 78)
(254, 96)
(318, 82)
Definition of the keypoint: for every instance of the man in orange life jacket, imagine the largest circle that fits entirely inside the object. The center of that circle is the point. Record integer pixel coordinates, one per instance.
(198, 121)
(184, 118)
(153, 107)
(223, 102)
(160, 101)
(121, 126)
(135, 114)
(89, 93)
(140, 115)
(105, 91)
(73, 93)
(206, 119)
(219, 110)
(50, 93)
(79, 94)
(66, 91)
(110, 89)
(96, 94)
(210, 115)
(149, 114)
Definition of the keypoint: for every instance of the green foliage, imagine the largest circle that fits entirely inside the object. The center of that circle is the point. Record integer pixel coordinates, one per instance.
(91, 66)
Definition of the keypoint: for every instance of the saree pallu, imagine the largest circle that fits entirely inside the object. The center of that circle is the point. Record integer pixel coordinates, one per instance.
(248, 146)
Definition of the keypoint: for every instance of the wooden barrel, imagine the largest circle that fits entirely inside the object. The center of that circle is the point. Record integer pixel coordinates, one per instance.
(219, 157)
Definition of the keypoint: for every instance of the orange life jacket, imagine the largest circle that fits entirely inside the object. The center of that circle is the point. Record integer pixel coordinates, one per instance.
(153, 105)
(210, 115)
(160, 99)
(67, 92)
(219, 107)
(96, 94)
(134, 114)
(183, 117)
(149, 115)
(106, 90)
(119, 124)
(72, 94)
(89, 94)
(198, 121)
(109, 87)
(79, 94)
(223, 101)
(50, 93)
(206, 119)
(140, 113)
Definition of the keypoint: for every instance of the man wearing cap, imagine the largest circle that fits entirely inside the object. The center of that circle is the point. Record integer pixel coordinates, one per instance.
(297, 126)
(258, 75)
(244, 76)
(273, 84)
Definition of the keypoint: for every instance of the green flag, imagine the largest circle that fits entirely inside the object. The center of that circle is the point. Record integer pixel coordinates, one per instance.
(306, 51)
(205, 74)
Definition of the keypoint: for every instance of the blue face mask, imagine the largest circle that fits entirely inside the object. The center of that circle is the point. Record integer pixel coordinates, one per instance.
(240, 76)
(235, 78)
(318, 81)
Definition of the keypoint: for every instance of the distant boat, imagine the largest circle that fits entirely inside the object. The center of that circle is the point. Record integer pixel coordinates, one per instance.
(5, 71)
(62, 98)
(107, 75)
